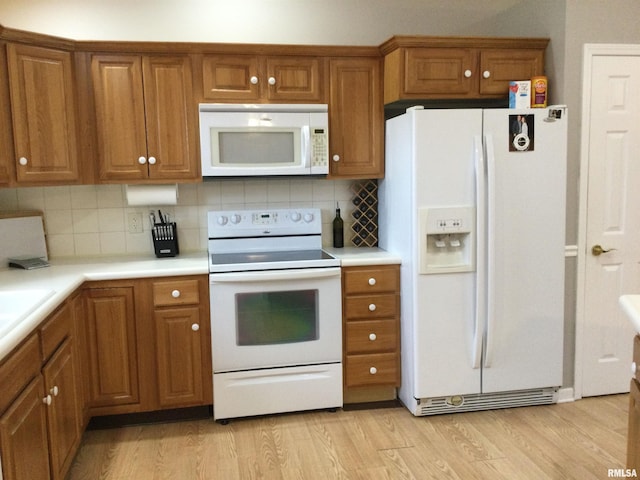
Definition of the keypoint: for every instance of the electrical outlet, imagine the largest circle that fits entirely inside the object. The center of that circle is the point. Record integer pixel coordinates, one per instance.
(135, 222)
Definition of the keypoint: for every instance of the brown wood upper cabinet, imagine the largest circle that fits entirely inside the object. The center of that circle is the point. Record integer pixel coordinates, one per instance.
(356, 118)
(146, 118)
(458, 67)
(44, 114)
(262, 79)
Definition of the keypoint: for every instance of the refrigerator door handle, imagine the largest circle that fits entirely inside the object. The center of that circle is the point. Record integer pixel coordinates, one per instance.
(480, 313)
(491, 250)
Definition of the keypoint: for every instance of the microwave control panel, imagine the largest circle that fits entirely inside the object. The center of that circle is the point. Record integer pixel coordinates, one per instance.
(319, 147)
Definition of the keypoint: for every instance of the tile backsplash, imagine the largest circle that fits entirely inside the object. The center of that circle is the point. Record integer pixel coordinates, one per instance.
(93, 219)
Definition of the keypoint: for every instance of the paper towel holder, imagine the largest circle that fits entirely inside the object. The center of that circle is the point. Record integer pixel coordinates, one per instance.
(151, 195)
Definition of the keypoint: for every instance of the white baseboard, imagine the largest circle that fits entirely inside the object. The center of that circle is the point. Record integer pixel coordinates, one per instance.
(565, 395)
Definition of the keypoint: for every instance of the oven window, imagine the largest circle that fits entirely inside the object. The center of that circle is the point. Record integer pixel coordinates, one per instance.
(271, 318)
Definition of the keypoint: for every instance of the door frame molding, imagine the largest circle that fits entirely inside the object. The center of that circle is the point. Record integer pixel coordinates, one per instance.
(590, 51)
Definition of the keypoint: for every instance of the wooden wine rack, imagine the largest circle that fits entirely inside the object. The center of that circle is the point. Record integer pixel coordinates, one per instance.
(365, 213)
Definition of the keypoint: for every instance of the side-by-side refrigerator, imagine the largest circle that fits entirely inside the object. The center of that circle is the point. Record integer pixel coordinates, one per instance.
(473, 201)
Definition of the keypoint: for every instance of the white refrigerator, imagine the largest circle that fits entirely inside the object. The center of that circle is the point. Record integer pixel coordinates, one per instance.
(473, 201)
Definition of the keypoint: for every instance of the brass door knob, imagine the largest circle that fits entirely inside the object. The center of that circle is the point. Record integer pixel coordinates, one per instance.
(598, 250)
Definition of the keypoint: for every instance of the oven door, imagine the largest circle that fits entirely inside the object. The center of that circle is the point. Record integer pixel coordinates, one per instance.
(275, 318)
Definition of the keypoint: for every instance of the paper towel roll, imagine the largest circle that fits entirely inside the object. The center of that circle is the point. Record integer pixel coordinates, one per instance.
(152, 194)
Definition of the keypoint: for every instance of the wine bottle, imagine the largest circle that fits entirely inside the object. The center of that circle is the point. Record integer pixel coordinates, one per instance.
(338, 229)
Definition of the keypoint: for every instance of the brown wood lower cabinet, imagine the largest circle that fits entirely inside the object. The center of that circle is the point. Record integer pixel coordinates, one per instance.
(149, 344)
(111, 344)
(371, 319)
(40, 430)
(23, 436)
(633, 434)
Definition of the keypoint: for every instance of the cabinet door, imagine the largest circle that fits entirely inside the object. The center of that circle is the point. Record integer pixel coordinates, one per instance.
(43, 109)
(179, 356)
(64, 414)
(6, 133)
(499, 66)
(171, 118)
(435, 71)
(23, 436)
(294, 79)
(231, 78)
(356, 118)
(111, 338)
(120, 118)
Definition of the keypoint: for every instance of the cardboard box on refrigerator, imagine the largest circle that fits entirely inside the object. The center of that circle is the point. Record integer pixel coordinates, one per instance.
(520, 94)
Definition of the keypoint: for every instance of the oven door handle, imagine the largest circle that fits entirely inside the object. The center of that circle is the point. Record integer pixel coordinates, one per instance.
(274, 275)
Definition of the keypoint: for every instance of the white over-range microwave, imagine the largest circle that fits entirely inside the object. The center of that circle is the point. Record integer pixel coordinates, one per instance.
(239, 140)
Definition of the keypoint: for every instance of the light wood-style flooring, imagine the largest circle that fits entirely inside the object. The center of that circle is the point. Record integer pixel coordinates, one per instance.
(579, 440)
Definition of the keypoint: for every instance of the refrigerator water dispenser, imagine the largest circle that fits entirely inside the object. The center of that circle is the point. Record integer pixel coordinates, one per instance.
(447, 239)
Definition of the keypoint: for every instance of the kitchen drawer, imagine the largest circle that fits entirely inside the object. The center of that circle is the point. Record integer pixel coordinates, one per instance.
(374, 279)
(18, 369)
(175, 292)
(373, 369)
(370, 336)
(371, 306)
(55, 330)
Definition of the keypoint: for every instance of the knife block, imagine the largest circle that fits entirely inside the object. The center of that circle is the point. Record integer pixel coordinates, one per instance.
(165, 239)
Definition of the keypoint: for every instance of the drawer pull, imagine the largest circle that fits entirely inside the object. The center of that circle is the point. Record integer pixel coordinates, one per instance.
(634, 368)
(372, 336)
(372, 307)
(195, 327)
(372, 281)
(175, 294)
(47, 400)
(54, 391)
(373, 370)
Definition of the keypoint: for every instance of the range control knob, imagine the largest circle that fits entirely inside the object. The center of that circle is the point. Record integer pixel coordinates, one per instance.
(235, 218)
(295, 216)
(222, 220)
(308, 217)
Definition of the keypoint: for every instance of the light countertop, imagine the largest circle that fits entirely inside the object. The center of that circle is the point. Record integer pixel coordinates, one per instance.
(631, 306)
(27, 297)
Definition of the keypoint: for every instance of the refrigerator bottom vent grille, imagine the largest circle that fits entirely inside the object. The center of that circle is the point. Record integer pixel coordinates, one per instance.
(485, 401)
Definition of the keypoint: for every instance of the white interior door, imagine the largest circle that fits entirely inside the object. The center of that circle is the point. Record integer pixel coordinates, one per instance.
(610, 229)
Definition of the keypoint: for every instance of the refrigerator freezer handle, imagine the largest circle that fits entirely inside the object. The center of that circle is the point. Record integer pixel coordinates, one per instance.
(491, 250)
(480, 313)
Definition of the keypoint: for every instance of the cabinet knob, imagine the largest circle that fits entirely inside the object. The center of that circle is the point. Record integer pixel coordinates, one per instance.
(372, 281)
(634, 369)
(54, 391)
(254, 80)
(336, 158)
(372, 307)
(23, 161)
(175, 294)
(195, 327)
(373, 370)
(272, 80)
(467, 73)
(152, 160)
(142, 160)
(47, 400)
(486, 74)
(372, 336)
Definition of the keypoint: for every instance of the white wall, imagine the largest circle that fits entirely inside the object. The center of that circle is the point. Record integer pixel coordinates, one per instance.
(341, 22)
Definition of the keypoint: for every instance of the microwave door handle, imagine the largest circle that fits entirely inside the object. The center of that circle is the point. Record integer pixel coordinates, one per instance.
(305, 140)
